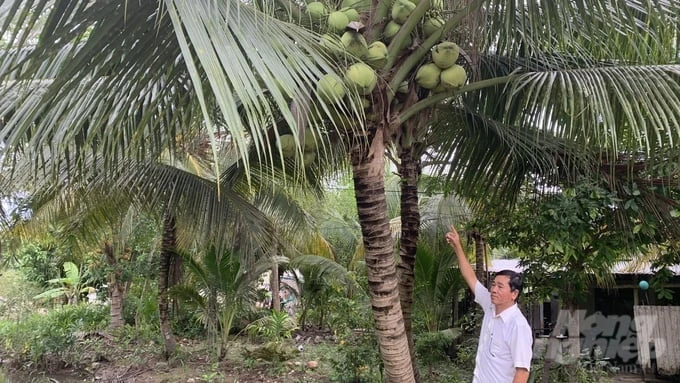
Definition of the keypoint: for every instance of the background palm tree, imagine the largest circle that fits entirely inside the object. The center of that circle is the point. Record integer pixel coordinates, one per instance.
(219, 288)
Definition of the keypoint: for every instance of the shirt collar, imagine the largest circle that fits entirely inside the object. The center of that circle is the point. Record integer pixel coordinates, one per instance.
(507, 313)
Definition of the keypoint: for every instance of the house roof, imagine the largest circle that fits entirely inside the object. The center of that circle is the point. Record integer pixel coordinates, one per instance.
(625, 267)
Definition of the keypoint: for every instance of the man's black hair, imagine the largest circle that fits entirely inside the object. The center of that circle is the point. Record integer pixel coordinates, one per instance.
(515, 279)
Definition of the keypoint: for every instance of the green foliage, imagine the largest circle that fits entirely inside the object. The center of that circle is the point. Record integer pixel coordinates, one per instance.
(38, 263)
(466, 352)
(219, 288)
(324, 290)
(72, 285)
(668, 255)
(569, 239)
(345, 314)
(471, 321)
(136, 336)
(274, 327)
(434, 346)
(187, 324)
(661, 278)
(18, 295)
(141, 304)
(38, 336)
(357, 358)
(438, 286)
(588, 370)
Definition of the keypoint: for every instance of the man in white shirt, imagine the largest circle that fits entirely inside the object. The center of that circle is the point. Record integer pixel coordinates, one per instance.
(505, 341)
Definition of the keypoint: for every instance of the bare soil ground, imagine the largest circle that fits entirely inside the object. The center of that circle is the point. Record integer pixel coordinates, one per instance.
(101, 360)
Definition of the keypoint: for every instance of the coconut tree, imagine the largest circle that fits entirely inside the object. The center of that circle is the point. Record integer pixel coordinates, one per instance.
(220, 287)
(130, 65)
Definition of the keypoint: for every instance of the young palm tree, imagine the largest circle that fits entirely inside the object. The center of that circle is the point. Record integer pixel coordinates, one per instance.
(220, 287)
(599, 73)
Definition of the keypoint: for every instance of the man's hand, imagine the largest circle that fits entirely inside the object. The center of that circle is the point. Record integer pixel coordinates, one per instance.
(452, 237)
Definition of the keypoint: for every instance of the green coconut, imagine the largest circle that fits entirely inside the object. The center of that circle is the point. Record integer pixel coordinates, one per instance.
(355, 44)
(427, 76)
(445, 54)
(332, 42)
(440, 88)
(401, 9)
(377, 54)
(330, 88)
(362, 77)
(310, 141)
(403, 87)
(359, 5)
(432, 25)
(337, 21)
(391, 29)
(352, 14)
(286, 144)
(308, 158)
(317, 10)
(453, 77)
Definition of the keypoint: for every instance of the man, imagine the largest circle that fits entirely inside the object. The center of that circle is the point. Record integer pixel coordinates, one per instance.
(504, 350)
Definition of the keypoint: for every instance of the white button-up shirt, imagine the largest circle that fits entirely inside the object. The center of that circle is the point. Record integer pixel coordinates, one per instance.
(504, 342)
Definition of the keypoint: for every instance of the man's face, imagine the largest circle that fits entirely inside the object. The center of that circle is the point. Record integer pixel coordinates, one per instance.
(500, 292)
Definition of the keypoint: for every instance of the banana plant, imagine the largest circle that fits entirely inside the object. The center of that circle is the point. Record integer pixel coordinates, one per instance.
(71, 286)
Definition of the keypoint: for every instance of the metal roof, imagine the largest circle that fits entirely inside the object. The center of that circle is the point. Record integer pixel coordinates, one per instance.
(624, 267)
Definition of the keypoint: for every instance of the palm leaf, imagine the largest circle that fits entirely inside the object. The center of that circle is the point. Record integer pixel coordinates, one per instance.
(631, 30)
(324, 268)
(482, 155)
(118, 86)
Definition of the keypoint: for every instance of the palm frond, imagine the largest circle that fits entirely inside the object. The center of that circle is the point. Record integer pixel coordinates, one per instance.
(635, 31)
(324, 267)
(113, 73)
(481, 155)
(614, 107)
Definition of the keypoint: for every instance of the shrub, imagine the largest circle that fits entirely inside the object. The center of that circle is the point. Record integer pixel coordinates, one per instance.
(39, 336)
(140, 307)
(39, 264)
(357, 359)
(275, 327)
(434, 346)
(586, 370)
(17, 294)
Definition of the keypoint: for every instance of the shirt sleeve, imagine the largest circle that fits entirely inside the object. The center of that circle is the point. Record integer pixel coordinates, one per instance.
(482, 296)
(521, 345)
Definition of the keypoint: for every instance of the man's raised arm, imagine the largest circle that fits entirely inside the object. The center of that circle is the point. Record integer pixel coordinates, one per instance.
(453, 239)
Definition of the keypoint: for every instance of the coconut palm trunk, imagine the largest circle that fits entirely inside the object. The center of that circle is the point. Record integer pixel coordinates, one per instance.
(480, 250)
(409, 169)
(274, 286)
(168, 252)
(116, 286)
(368, 166)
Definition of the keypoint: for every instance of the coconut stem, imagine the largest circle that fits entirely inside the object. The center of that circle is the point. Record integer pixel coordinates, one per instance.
(423, 49)
(436, 98)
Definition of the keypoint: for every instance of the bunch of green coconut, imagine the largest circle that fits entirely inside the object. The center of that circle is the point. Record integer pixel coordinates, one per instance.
(286, 145)
(344, 39)
(401, 10)
(442, 73)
